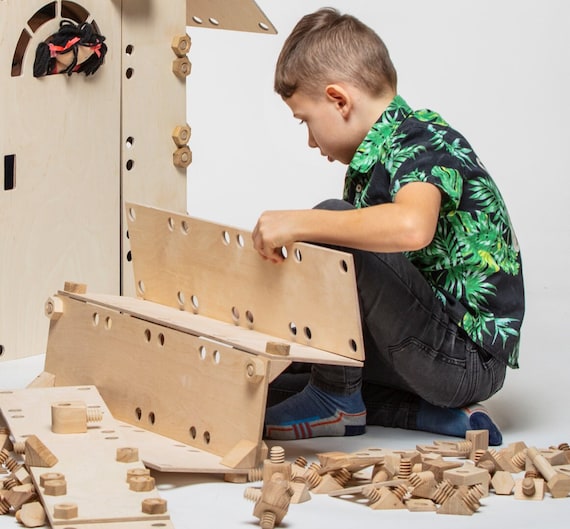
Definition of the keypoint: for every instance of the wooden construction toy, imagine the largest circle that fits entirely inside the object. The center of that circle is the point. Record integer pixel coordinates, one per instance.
(67, 168)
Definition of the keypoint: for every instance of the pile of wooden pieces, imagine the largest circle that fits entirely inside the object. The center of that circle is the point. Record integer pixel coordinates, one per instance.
(446, 477)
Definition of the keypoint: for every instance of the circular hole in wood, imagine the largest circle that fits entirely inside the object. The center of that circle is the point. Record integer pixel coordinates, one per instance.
(129, 49)
(207, 437)
(293, 328)
(217, 357)
(202, 352)
(249, 317)
(108, 322)
(343, 265)
(352, 344)
(226, 237)
(129, 73)
(192, 432)
(151, 418)
(240, 241)
(184, 227)
(195, 303)
(283, 252)
(138, 413)
(235, 314)
(130, 142)
(263, 26)
(298, 255)
(141, 287)
(171, 224)
(147, 335)
(213, 21)
(95, 319)
(130, 164)
(181, 298)
(308, 333)
(1, 350)
(161, 339)
(132, 216)
(129, 256)
(198, 20)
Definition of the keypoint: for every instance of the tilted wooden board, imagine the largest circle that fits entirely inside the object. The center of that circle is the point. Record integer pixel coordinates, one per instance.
(191, 389)
(214, 271)
(96, 482)
(240, 15)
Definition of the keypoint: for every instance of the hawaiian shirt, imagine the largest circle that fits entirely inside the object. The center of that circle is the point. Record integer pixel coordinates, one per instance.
(473, 263)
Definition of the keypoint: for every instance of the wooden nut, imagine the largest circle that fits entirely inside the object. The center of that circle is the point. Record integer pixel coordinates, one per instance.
(181, 67)
(75, 288)
(278, 348)
(154, 506)
(53, 308)
(254, 370)
(127, 454)
(65, 511)
(182, 157)
(49, 476)
(137, 473)
(181, 135)
(181, 45)
(55, 487)
(141, 483)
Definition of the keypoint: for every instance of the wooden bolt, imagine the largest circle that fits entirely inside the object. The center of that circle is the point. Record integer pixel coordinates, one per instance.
(72, 417)
(181, 67)
(558, 484)
(181, 135)
(53, 308)
(181, 45)
(529, 489)
(65, 511)
(182, 157)
(154, 506)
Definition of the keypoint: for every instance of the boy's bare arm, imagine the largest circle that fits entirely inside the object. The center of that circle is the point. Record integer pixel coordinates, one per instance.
(408, 223)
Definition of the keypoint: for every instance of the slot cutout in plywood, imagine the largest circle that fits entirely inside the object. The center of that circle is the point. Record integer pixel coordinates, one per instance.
(214, 271)
(240, 15)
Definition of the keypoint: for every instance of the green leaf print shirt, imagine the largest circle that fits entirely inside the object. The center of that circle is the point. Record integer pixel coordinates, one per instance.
(473, 263)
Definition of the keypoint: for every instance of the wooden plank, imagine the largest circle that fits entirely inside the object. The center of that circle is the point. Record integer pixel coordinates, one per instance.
(191, 389)
(96, 482)
(240, 15)
(60, 218)
(213, 270)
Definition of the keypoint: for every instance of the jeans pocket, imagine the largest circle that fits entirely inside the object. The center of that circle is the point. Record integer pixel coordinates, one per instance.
(428, 373)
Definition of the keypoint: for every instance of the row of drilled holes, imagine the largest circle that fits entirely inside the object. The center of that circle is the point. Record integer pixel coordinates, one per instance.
(216, 22)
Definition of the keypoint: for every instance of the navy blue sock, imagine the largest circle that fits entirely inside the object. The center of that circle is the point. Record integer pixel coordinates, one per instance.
(316, 413)
(456, 421)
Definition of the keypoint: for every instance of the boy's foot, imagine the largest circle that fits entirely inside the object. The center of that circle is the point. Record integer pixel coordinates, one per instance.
(457, 421)
(315, 413)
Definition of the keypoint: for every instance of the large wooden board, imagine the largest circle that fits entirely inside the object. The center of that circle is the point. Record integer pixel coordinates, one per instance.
(96, 482)
(240, 15)
(168, 381)
(213, 270)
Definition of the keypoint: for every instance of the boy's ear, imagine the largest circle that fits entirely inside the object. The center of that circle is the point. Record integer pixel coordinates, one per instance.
(340, 97)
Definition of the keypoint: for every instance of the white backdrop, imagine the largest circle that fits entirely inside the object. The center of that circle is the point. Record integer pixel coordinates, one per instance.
(497, 71)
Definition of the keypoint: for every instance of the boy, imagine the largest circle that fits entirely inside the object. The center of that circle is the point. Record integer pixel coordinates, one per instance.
(438, 267)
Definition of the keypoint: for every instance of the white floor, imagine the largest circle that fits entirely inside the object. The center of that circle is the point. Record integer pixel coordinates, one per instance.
(531, 408)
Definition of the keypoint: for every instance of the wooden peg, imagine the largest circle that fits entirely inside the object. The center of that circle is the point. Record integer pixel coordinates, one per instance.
(529, 489)
(558, 484)
(53, 308)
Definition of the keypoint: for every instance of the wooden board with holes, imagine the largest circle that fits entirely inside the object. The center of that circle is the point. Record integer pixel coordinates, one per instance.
(214, 271)
(96, 482)
(191, 389)
(240, 15)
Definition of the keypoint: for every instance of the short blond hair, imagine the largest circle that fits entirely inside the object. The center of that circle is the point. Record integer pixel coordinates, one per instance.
(327, 47)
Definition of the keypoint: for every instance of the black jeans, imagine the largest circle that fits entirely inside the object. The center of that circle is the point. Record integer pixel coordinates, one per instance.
(413, 349)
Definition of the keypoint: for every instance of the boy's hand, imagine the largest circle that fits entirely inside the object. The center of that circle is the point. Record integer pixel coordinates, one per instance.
(272, 233)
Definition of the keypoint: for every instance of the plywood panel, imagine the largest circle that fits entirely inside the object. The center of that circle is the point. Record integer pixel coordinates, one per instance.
(96, 482)
(241, 15)
(59, 218)
(167, 381)
(213, 270)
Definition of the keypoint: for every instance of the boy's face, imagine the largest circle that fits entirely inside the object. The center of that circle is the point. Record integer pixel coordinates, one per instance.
(328, 124)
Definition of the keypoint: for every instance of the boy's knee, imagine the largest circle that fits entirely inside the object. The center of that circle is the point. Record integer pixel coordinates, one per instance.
(334, 204)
